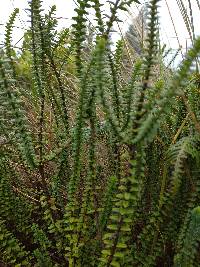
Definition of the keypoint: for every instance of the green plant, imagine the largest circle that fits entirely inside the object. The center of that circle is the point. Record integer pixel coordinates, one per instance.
(99, 162)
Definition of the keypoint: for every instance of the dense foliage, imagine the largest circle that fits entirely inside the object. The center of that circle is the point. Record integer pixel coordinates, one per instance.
(99, 162)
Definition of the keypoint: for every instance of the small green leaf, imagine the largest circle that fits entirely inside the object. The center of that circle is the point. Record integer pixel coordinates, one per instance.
(121, 245)
(119, 255)
(105, 252)
(112, 227)
(115, 264)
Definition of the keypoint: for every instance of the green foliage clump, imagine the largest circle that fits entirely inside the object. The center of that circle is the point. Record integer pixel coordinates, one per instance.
(99, 163)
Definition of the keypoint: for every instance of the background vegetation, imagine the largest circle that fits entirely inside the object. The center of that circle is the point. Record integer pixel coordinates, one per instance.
(99, 144)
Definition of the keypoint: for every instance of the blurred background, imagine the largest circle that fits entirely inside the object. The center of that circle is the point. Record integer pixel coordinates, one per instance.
(177, 20)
